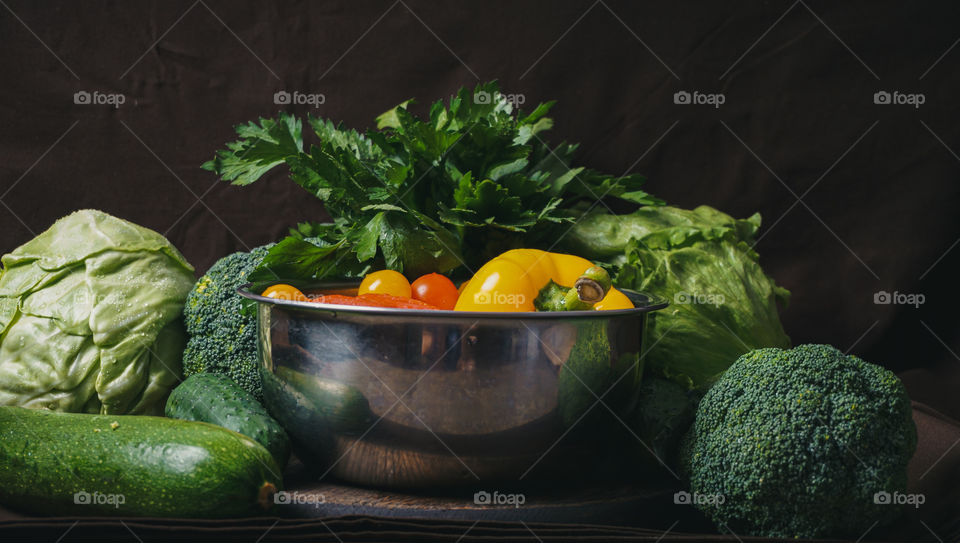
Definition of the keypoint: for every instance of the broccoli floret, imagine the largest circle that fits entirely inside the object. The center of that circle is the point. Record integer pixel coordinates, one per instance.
(223, 339)
(797, 443)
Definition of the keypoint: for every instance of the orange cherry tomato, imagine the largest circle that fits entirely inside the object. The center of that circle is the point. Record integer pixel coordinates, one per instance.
(285, 292)
(385, 282)
(436, 290)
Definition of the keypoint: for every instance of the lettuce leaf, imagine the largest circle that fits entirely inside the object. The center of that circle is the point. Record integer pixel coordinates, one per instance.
(722, 304)
(89, 317)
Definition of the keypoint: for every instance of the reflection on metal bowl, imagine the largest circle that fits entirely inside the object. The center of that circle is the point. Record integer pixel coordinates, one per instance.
(412, 398)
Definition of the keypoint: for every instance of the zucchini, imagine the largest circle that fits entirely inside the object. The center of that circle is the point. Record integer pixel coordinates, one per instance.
(81, 464)
(217, 399)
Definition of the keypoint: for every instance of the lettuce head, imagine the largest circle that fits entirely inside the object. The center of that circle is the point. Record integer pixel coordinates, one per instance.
(90, 318)
(722, 304)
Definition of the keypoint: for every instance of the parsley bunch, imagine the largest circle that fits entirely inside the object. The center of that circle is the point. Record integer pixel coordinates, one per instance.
(421, 195)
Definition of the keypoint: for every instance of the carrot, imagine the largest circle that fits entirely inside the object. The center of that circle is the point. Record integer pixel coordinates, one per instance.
(374, 300)
(337, 299)
(387, 300)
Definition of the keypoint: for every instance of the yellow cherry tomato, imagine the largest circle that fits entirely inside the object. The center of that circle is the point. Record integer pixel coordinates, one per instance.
(386, 282)
(284, 292)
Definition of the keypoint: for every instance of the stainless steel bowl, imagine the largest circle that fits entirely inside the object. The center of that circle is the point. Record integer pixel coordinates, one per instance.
(413, 398)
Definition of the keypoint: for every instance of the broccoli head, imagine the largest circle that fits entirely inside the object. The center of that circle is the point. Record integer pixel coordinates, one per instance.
(797, 443)
(222, 338)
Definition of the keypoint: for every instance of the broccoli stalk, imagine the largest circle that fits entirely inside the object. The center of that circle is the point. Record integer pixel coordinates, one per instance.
(798, 442)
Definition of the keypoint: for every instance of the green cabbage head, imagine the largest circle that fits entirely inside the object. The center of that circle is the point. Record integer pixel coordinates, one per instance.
(90, 318)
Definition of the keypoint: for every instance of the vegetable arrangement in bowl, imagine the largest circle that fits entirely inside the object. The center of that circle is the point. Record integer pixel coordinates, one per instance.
(518, 280)
(498, 386)
(449, 192)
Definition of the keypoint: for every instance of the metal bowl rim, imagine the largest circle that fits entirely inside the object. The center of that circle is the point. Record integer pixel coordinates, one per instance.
(651, 303)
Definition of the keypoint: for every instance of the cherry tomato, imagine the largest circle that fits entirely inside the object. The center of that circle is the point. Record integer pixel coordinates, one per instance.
(285, 292)
(436, 290)
(385, 282)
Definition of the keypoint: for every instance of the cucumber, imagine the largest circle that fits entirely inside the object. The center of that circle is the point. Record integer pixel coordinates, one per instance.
(315, 411)
(338, 406)
(126, 465)
(217, 399)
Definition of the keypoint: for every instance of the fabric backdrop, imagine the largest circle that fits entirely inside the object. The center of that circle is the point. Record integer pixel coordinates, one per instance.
(858, 197)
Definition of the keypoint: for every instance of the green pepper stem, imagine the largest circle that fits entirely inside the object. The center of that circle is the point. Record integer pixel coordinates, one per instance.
(593, 285)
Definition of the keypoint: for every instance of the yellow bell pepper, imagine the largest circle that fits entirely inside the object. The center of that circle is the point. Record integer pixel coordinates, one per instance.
(511, 281)
(614, 300)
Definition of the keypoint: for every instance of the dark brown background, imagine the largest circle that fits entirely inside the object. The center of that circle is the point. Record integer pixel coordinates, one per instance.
(798, 78)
